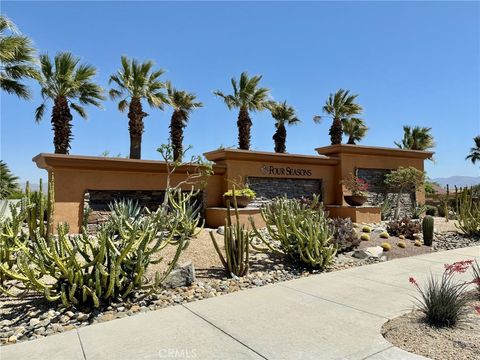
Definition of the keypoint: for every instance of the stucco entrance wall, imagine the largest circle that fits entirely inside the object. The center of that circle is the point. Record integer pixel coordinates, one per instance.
(74, 175)
(353, 157)
(242, 164)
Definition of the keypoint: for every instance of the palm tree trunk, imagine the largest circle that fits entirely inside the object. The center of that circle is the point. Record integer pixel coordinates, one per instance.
(176, 134)
(244, 124)
(135, 127)
(351, 140)
(280, 138)
(336, 131)
(61, 125)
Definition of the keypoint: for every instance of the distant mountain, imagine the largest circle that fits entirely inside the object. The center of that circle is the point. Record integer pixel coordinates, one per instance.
(458, 181)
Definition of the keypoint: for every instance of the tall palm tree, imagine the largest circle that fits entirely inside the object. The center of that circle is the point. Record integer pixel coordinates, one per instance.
(183, 103)
(284, 115)
(8, 181)
(339, 106)
(69, 85)
(247, 96)
(136, 82)
(355, 129)
(416, 138)
(474, 155)
(17, 59)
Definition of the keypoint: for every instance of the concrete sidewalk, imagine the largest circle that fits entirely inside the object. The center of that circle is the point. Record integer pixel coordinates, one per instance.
(336, 315)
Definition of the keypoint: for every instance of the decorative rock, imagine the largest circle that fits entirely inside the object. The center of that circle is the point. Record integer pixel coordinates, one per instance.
(221, 230)
(181, 275)
(257, 282)
(373, 251)
(12, 339)
(82, 317)
(33, 322)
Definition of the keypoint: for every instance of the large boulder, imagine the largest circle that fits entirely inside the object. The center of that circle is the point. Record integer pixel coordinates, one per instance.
(369, 252)
(181, 275)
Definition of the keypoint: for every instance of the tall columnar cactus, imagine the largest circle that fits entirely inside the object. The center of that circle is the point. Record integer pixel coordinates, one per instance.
(302, 232)
(427, 226)
(88, 271)
(468, 213)
(236, 242)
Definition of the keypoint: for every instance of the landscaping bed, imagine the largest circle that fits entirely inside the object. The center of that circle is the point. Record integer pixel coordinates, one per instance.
(31, 316)
(411, 333)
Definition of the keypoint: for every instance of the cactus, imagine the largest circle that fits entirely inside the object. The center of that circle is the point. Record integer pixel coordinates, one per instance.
(427, 226)
(468, 213)
(417, 243)
(365, 237)
(402, 244)
(303, 233)
(236, 242)
(186, 210)
(384, 235)
(386, 246)
(367, 229)
(86, 270)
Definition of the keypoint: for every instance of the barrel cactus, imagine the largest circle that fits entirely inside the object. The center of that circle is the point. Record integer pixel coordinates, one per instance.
(427, 226)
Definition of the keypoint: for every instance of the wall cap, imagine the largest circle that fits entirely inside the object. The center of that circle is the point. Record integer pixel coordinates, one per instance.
(373, 151)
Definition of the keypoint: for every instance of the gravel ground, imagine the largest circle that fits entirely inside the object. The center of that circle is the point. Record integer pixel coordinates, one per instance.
(409, 332)
(31, 317)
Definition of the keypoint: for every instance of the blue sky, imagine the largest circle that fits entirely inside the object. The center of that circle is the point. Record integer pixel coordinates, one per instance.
(411, 63)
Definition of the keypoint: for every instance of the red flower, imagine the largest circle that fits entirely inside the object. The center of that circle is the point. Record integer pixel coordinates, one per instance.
(477, 309)
(413, 281)
(458, 267)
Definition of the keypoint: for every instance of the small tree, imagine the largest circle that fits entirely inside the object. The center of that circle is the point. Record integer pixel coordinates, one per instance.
(402, 180)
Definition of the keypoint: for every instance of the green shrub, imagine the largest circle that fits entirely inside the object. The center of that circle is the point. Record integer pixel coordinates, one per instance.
(236, 242)
(247, 192)
(303, 234)
(431, 210)
(344, 235)
(406, 227)
(444, 302)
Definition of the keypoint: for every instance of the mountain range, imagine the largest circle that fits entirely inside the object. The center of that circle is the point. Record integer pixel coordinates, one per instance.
(459, 181)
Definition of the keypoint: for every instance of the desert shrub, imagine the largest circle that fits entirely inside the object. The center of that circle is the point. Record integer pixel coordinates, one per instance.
(344, 235)
(444, 301)
(302, 233)
(406, 227)
(476, 275)
(431, 210)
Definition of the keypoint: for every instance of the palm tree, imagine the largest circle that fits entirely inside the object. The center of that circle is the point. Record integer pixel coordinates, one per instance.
(69, 85)
(339, 106)
(8, 181)
(17, 59)
(247, 96)
(136, 82)
(474, 155)
(416, 138)
(284, 115)
(355, 129)
(183, 103)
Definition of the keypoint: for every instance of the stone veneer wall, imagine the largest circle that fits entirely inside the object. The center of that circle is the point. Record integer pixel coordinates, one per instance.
(96, 202)
(378, 191)
(269, 188)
